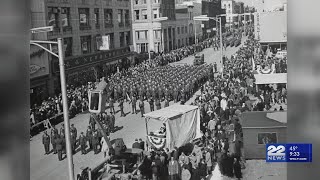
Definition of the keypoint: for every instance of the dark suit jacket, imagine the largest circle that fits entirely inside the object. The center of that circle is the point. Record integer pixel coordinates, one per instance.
(59, 143)
(136, 145)
(141, 145)
(82, 140)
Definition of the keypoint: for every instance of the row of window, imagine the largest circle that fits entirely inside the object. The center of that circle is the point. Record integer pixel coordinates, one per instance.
(56, 15)
(86, 43)
(144, 34)
(143, 14)
(144, 47)
(145, 1)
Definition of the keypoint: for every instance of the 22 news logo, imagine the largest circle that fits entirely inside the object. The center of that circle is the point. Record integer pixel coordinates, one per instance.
(275, 153)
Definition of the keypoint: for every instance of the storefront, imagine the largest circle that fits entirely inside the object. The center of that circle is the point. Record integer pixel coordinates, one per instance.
(85, 68)
(40, 84)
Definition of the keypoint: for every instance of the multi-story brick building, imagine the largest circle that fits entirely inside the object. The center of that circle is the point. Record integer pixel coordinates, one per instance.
(81, 24)
(229, 5)
(149, 32)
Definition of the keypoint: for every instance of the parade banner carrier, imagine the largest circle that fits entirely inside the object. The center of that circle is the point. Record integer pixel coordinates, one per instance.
(182, 125)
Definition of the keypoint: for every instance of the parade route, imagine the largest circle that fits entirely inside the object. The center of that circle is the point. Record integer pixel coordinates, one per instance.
(130, 127)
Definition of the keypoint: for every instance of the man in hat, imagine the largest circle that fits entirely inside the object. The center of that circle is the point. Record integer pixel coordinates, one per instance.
(82, 142)
(141, 144)
(92, 122)
(158, 104)
(112, 122)
(46, 142)
(89, 136)
(54, 136)
(136, 144)
(59, 147)
(62, 129)
(95, 141)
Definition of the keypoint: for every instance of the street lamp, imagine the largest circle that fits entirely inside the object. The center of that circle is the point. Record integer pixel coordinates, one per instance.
(63, 88)
(205, 18)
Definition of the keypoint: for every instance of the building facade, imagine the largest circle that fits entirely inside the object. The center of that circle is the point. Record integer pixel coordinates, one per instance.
(211, 8)
(229, 6)
(150, 31)
(187, 28)
(82, 24)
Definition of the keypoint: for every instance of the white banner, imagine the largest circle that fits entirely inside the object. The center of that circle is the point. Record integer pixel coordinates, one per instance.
(105, 44)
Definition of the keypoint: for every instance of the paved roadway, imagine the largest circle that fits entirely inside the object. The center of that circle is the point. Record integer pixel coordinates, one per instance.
(47, 167)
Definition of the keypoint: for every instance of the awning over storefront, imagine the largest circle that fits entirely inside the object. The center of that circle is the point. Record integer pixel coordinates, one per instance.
(276, 78)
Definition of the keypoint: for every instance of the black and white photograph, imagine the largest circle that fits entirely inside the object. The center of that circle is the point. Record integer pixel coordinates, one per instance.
(157, 89)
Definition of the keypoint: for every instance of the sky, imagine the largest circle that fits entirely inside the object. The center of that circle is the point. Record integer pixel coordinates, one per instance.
(268, 4)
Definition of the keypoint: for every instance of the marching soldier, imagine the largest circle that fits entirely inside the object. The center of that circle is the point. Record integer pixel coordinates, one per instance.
(46, 142)
(151, 103)
(134, 105)
(73, 139)
(82, 142)
(158, 104)
(141, 107)
(121, 107)
(166, 102)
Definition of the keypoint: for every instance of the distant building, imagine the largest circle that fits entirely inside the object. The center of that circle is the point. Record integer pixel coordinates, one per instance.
(186, 26)
(229, 6)
(149, 32)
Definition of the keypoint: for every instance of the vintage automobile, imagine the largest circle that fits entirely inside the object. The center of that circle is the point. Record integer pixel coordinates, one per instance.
(198, 59)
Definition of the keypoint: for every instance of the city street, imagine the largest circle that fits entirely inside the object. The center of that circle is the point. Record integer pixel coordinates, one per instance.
(43, 167)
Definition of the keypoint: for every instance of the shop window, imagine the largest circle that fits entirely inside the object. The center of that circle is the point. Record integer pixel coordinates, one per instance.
(65, 17)
(84, 17)
(53, 17)
(108, 18)
(85, 44)
(120, 18)
(96, 18)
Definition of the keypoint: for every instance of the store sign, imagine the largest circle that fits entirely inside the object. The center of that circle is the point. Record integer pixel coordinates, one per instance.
(35, 68)
(93, 58)
(39, 63)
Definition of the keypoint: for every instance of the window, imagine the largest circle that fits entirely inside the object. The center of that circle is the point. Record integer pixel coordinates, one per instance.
(179, 43)
(137, 1)
(96, 17)
(53, 17)
(108, 18)
(127, 17)
(120, 18)
(84, 16)
(111, 35)
(65, 17)
(137, 14)
(178, 30)
(144, 14)
(141, 35)
(121, 37)
(67, 42)
(142, 47)
(85, 44)
(157, 34)
(144, 1)
(186, 29)
(128, 40)
(182, 30)
(155, 13)
(169, 33)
